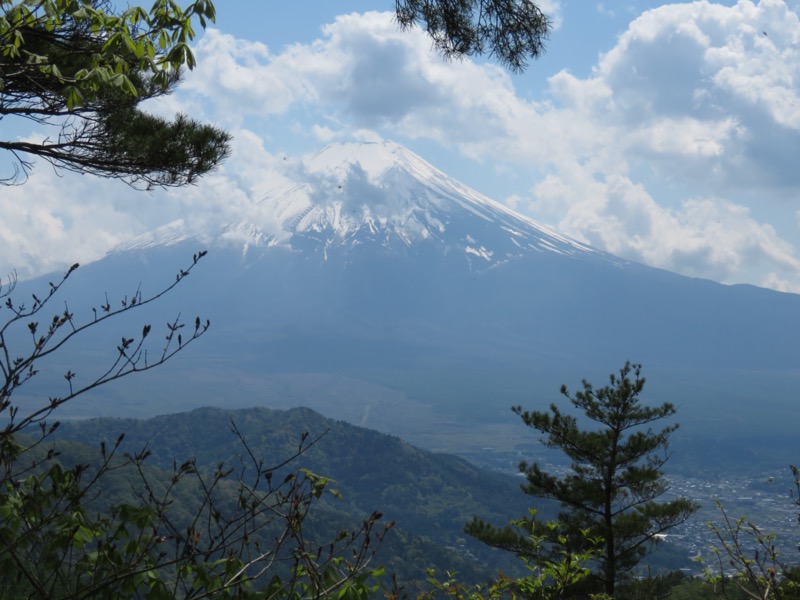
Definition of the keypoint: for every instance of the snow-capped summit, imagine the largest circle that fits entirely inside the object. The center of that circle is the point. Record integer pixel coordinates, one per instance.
(352, 194)
(381, 194)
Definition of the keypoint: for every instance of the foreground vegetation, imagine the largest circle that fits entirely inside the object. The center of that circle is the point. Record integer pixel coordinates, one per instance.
(131, 519)
(124, 522)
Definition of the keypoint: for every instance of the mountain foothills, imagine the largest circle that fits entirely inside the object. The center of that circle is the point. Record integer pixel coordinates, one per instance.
(429, 496)
(377, 290)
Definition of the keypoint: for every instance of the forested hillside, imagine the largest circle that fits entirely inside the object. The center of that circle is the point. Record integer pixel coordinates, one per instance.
(430, 496)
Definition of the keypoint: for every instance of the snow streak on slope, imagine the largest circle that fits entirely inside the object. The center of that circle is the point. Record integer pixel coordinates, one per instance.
(348, 195)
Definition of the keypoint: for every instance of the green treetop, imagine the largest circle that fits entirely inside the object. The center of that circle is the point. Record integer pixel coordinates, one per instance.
(616, 476)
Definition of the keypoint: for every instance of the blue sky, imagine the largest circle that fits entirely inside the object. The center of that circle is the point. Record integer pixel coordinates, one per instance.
(664, 133)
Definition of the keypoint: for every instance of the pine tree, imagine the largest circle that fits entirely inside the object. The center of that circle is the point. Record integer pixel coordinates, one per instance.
(80, 69)
(616, 477)
(512, 31)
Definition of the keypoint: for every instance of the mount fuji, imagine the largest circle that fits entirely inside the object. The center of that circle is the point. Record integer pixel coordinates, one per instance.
(376, 289)
(380, 195)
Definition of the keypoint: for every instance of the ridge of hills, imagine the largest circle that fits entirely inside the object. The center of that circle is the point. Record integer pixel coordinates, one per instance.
(429, 495)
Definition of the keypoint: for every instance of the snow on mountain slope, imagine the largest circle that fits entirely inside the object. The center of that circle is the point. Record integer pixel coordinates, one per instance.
(352, 194)
(383, 192)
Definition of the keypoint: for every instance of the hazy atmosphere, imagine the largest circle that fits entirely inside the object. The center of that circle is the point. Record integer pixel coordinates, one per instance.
(663, 133)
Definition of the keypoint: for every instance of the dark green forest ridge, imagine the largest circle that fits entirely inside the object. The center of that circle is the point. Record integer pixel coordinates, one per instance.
(430, 495)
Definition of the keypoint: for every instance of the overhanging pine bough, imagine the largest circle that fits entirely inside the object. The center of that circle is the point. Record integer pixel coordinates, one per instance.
(80, 69)
(510, 30)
